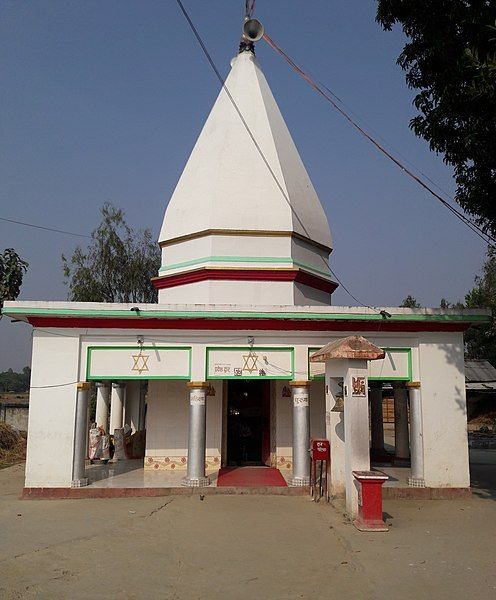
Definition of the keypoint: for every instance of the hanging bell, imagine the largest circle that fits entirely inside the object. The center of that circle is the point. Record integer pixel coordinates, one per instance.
(339, 406)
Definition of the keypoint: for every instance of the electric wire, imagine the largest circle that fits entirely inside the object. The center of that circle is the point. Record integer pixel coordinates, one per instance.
(329, 96)
(249, 8)
(55, 385)
(257, 146)
(45, 228)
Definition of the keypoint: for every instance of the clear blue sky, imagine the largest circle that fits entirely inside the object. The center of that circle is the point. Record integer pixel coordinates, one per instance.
(104, 101)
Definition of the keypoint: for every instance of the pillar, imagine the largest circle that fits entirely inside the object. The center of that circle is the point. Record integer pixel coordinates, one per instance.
(356, 430)
(117, 406)
(416, 435)
(335, 430)
(79, 478)
(301, 433)
(376, 418)
(102, 405)
(401, 441)
(195, 475)
(132, 412)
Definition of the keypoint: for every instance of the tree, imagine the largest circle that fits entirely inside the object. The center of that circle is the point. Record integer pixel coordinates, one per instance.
(450, 57)
(410, 302)
(12, 269)
(15, 382)
(445, 304)
(117, 265)
(481, 340)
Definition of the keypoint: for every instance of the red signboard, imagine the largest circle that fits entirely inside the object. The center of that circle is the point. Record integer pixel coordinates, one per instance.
(320, 450)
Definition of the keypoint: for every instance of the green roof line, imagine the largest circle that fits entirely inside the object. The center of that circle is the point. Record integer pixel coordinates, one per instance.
(147, 314)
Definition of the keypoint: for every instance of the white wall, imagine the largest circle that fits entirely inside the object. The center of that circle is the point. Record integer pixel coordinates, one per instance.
(167, 424)
(52, 409)
(444, 411)
(230, 292)
(132, 404)
(284, 428)
(317, 409)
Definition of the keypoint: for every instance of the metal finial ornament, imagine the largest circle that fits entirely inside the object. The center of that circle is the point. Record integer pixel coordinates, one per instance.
(249, 8)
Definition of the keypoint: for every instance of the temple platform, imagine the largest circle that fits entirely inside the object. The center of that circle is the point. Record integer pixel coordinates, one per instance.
(128, 478)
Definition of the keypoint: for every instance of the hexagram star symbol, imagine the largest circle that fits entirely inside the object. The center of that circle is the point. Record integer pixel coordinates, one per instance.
(250, 362)
(140, 362)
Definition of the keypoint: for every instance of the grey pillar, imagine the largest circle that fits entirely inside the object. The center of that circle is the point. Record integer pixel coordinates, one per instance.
(401, 441)
(117, 406)
(301, 433)
(79, 478)
(416, 435)
(195, 475)
(376, 417)
(102, 405)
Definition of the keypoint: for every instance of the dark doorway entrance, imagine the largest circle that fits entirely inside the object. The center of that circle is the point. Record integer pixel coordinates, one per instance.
(248, 422)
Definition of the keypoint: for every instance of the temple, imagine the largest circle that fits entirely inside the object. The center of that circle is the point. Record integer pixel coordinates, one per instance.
(230, 369)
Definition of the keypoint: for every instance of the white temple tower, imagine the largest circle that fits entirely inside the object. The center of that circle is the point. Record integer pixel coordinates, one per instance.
(232, 234)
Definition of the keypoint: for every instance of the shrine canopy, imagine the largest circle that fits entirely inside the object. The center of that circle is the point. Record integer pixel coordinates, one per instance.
(352, 347)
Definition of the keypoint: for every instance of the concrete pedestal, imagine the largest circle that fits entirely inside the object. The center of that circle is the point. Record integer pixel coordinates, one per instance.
(195, 476)
(401, 437)
(102, 405)
(117, 406)
(301, 433)
(79, 478)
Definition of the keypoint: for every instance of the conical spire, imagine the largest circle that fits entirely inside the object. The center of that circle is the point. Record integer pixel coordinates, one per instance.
(227, 185)
(246, 195)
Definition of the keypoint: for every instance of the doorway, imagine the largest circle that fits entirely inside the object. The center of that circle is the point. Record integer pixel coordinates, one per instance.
(248, 422)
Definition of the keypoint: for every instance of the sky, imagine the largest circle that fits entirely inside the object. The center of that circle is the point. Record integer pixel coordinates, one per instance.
(103, 101)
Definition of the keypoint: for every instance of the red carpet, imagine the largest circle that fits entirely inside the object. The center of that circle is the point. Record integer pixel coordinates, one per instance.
(250, 477)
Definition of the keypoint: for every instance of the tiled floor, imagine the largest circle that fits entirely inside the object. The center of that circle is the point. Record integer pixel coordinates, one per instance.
(131, 474)
(398, 476)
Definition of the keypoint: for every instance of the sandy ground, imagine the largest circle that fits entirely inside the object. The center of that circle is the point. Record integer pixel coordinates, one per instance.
(237, 547)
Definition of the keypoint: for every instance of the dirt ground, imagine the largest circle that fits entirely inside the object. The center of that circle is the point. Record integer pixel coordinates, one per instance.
(238, 547)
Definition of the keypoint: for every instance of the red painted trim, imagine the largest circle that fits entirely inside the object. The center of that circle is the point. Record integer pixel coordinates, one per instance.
(94, 492)
(207, 274)
(395, 493)
(244, 324)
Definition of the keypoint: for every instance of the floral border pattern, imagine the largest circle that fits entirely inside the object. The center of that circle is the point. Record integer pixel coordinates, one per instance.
(177, 463)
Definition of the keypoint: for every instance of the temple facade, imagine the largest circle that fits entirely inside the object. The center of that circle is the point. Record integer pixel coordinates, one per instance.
(219, 373)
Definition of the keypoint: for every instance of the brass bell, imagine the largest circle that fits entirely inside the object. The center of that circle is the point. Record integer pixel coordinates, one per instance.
(339, 406)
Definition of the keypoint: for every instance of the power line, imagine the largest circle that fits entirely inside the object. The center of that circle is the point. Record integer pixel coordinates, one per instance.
(45, 228)
(257, 146)
(330, 97)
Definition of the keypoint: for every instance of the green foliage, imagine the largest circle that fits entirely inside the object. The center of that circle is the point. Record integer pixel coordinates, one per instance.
(15, 382)
(450, 57)
(117, 265)
(12, 269)
(410, 302)
(446, 304)
(481, 340)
